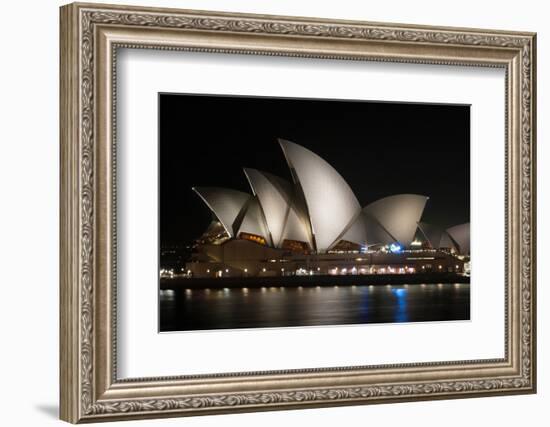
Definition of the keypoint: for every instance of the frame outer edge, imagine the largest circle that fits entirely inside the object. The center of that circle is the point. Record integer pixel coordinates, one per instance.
(77, 226)
(533, 110)
(68, 227)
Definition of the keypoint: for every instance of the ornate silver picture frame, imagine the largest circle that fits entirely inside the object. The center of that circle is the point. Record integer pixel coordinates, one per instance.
(91, 35)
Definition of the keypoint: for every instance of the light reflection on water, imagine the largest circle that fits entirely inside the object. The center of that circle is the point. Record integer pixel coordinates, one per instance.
(231, 308)
(401, 304)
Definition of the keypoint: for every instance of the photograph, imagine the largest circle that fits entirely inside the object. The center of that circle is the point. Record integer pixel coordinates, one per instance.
(293, 212)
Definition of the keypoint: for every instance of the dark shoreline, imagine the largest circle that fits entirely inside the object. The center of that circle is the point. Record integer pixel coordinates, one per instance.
(294, 281)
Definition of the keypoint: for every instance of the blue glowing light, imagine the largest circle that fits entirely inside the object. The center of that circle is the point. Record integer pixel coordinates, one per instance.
(396, 248)
(399, 292)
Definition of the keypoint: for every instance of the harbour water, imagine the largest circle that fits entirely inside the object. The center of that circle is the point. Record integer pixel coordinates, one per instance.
(261, 307)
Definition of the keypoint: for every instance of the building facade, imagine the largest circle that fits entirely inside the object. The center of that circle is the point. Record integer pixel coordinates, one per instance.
(316, 226)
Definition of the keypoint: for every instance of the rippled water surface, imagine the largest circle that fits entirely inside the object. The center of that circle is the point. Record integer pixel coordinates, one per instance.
(311, 306)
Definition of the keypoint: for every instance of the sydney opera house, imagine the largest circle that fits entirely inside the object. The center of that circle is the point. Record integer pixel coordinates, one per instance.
(315, 225)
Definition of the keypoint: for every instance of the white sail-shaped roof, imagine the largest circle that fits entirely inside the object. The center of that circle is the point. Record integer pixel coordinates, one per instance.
(432, 233)
(398, 215)
(461, 236)
(447, 242)
(297, 225)
(357, 232)
(228, 205)
(275, 197)
(253, 221)
(376, 234)
(331, 204)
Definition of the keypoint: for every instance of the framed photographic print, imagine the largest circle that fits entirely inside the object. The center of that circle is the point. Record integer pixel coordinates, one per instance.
(264, 212)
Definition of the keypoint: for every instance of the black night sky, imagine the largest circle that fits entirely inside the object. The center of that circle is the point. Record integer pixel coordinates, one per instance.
(380, 149)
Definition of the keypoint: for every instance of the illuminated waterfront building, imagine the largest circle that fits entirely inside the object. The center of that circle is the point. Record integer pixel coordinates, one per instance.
(316, 226)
